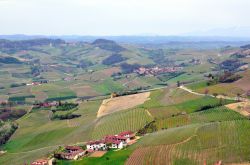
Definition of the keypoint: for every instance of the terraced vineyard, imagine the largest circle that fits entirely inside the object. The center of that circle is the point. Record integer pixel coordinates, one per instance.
(211, 142)
(210, 115)
(125, 120)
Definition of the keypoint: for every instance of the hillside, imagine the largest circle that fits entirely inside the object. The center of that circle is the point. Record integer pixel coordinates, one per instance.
(182, 104)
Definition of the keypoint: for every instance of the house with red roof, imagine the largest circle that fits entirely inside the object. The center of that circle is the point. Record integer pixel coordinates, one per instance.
(71, 153)
(40, 162)
(111, 141)
(97, 145)
(127, 134)
(114, 144)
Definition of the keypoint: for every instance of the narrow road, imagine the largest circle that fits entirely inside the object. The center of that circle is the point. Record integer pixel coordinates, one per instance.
(219, 96)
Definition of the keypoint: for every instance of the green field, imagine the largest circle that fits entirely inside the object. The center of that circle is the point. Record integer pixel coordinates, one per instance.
(112, 157)
(37, 133)
(189, 128)
(133, 120)
(218, 114)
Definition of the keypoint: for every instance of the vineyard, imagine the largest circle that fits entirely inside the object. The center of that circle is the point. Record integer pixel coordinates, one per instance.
(210, 115)
(227, 141)
(126, 120)
(190, 106)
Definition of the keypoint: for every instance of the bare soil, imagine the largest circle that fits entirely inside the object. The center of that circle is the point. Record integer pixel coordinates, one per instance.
(97, 154)
(121, 103)
(244, 83)
(242, 107)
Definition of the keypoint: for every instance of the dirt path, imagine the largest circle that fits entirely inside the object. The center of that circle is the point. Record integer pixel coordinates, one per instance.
(149, 114)
(219, 96)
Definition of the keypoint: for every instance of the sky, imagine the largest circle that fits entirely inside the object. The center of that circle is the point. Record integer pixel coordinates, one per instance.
(121, 17)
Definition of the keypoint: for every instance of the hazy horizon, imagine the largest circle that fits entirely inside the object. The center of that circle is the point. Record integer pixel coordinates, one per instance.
(117, 17)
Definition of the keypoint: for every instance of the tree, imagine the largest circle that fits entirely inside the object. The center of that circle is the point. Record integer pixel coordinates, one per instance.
(215, 94)
(221, 101)
(206, 91)
(238, 97)
(178, 84)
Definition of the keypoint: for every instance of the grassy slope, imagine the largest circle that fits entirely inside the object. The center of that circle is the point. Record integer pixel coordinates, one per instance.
(126, 120)
(112, 157)
(36, 131)
(193, 144)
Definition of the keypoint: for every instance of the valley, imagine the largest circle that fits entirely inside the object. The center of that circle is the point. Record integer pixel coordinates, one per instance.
(185, 105)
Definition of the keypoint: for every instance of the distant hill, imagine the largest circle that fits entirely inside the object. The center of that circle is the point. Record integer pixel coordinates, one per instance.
(9, 60)
(245, 46)
(139, 39)
(243, 52)
(13, 46)
(108, 45)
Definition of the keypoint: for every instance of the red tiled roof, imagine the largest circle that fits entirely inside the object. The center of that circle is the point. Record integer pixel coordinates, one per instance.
(90, 150)
(40, 162)
(126, 133)
(73, 148)
(95, 142)
(121, 137)
(112, 141)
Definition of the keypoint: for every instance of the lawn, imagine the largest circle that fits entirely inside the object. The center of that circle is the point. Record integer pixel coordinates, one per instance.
(111, 157)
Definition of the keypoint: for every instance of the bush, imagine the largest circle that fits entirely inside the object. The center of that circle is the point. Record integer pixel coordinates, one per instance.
(148, 128)
(65, 106)
(17, 85)
(65, 116)
(5, 134)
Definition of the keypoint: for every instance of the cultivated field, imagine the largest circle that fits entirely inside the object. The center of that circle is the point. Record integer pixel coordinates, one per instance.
(133, 120)
(121, 103)
(97, 154)
(244, 83)
(209, 142)
(242, 107)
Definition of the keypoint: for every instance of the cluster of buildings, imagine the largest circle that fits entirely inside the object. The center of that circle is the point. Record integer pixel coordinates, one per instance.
(71, 153)
(46, 104)
(111, 141)
(156, 70)
(108, 142)
(195, 61)
(38, 83)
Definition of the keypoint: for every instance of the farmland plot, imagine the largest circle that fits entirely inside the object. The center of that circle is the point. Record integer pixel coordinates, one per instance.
(115, 123)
